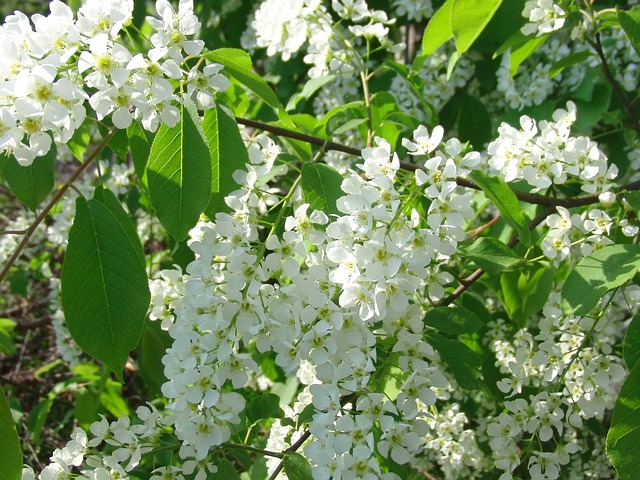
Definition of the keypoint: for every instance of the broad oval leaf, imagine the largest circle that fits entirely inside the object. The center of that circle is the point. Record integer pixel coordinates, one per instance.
(30, 184)
(630, 23)
(525, 292)
(140, 141)
(468, 20)
(503, 197)
(438, 31)
(297, 467)
(179, 173)
(226, 471)
(10, 453)
(228, 153)
(321, 187)
(491, 255)
(452, 320)
(105, 292)
(463, 362)
(623, 437)
(631, 345)
(598, 273)
(262, 407)
(237, 63)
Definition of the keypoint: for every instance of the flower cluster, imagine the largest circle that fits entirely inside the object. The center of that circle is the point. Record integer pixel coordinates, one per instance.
(544, 16)
(586, 376)
(54, 65)
(284, 28)
(544, 154)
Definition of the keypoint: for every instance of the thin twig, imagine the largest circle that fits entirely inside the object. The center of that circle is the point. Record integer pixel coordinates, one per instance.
(40, 218)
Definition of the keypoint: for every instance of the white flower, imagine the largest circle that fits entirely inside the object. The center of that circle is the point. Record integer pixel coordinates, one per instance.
(545, 16)
(424, 143)
(173, 28)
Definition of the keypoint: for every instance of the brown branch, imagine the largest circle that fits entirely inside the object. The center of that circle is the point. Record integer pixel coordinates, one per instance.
(40, 218)
(285, 132)
(526, 197)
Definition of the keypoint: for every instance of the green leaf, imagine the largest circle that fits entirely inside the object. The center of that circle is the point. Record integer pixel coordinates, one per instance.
(452, 320)
(297, 467)
(80, 140)
(9, 443)
(633, 197)
(105, 293)
(237, 63)
(321, 187)
(310, 88)
(476, 128)
(468, 20)
(491, 255)
(503, 197)
(30, 184)
(140, 142)
(523, 51)
(227, 153)
(623, 437)
(226, 471)
(7, 344)
(518, 38)
(569, 61)
(263, 407)
(153, 345)
(631, 345)
(344, 118)
(525, 293)
(598, 273)
(630, 23)
(464, 363)
(415, 83)
(179, 173)
(438, 31)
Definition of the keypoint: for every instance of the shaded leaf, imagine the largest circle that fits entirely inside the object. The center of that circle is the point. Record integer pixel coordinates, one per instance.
(179, 173)
(262, 407)
(30, 184)
(9, 443)
(623, 437)
(140, 142)
(226, 471)
(463, 362)
(491, 255)
(297, 467)
(105, 293)
(452, 320)
(598, 273)
(631, 345)
(503, 197)
(630, 23)
(525, 293)
(228, 153)
(321, 187)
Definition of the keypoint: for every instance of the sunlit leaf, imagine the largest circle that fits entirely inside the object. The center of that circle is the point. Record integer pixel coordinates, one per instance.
(598, 273)
(179, 173)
